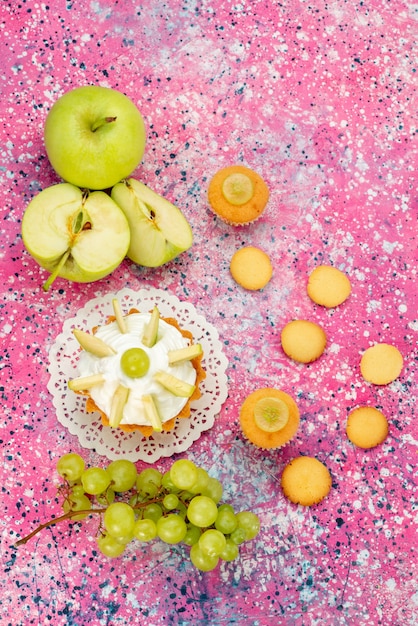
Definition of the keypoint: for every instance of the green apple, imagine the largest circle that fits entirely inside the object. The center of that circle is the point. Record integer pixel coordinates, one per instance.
(120, 398)
(94, 136)
(151, 412)
(184, 354)
(150, 335)
(175, 385)
(93, 344)
(78, 235)
(159, 230)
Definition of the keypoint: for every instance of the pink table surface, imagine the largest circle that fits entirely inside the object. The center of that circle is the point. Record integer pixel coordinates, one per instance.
(320, 98)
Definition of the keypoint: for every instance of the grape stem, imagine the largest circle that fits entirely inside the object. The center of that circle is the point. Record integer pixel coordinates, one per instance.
(70, 514)
(56, 520)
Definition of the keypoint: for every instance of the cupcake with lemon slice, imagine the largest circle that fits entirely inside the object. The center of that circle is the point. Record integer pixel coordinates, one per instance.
(238, 195)
(140, 371)
(269, 418)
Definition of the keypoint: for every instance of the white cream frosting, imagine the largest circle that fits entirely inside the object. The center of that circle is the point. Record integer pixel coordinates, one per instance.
(169, 338)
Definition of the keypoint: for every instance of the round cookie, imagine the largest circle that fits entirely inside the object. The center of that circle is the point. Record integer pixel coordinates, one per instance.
(269, 418)
(328, 286)
(303, 341)
(237, 195)
(367, 427)
(381, 364)
(251, 268)
(306, 481)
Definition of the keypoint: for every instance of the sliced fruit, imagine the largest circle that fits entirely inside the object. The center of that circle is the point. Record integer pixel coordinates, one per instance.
(271, 414)
(57, 271)
(93, 344)
(151, 330)
(151, 412)
(159, 230)
(120, 320)
(78, 235)
(184, 354)
(238, 188)
(119, 400)
(174, 385)
(85, 382)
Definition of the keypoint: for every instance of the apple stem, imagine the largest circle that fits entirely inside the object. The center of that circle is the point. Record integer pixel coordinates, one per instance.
(102, 122)
(56, 271)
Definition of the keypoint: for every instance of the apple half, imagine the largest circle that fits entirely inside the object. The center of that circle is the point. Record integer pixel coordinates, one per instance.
(78, 235)
(159, 230)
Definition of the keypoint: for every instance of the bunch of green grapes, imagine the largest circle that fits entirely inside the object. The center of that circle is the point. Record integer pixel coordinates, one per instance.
(179, 506)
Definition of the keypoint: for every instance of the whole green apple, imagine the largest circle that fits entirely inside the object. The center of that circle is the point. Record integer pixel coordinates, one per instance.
(159, 230)
(94, 137)
(78, 235)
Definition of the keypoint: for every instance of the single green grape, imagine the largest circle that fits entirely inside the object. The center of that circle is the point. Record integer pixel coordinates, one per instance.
(107, 497)
(77, 503)
(212, 542)
(249, 522)
(168, 484)
(134, 499)
(170, 501)
(230, 551)
(148, 482)
(122, 474)
(238, 536)
(172, 528)
(213, 489)
(119, 520)
(201, 482)
(124, 539)
(202, 561)
(81, 503)
(192, 535)
(187, 495)
(181, 510)
(152, 511)
(95, 480)
(77, 490)
(226, 507)
(135, 362)
(109, 546)
(202, 511)
(70, 466)
(183, 474)
(145, 529)
(226, 521)
(148, 491)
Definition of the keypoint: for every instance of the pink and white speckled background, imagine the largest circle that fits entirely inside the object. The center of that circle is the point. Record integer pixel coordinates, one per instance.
(321, 99)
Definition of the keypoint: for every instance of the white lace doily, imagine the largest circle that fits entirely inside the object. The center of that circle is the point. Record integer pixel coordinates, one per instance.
(114, 443)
